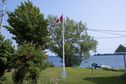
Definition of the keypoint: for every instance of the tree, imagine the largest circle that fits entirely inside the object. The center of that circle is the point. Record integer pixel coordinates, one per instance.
(78, 43)
(28, 25)
(6, 53)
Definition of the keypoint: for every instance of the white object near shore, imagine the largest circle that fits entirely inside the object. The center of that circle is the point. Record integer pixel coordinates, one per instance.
(106, 67)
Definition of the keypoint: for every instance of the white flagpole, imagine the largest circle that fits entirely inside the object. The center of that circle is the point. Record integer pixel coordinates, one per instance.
(64, 70)
(63, 48)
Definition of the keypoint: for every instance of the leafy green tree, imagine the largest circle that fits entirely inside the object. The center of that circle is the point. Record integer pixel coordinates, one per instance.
(28, 25)
(78, 43)
(6, 53)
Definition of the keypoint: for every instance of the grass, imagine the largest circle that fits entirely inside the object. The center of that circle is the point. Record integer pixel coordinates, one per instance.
(76, 76)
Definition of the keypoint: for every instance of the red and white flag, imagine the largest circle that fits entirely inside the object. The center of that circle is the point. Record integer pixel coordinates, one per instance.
(58, 21)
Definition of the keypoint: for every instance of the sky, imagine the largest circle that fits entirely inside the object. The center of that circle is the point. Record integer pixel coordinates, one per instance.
(97, 14)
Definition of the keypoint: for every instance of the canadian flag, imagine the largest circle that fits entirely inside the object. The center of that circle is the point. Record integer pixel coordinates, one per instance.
(58, 21)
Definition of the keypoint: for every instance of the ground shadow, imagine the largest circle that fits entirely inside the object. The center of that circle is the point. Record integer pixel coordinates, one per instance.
(106, 80)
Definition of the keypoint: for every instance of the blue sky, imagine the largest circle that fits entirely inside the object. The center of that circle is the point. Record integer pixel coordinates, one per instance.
(98, 14)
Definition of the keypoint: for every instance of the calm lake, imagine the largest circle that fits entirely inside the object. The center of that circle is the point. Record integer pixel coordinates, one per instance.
(116, 61)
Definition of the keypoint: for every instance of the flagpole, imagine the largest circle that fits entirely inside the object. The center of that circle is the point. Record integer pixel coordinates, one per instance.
(64, 70)
(63, 48)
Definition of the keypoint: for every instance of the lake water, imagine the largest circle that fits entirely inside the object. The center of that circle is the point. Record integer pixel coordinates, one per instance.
(55, 60)
(116, 61)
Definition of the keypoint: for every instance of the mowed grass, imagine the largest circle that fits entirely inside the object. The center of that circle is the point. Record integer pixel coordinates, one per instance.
(53, 75)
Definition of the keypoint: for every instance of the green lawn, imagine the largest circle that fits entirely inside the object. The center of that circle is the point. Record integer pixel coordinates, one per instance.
(76, 76)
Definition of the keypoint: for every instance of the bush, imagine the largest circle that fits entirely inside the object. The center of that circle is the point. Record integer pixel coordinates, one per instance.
(50, 64)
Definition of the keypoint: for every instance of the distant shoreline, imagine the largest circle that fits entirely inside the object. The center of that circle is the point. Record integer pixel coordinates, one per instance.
(109, 54)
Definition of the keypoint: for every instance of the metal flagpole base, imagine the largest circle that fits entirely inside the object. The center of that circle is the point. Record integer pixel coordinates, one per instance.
(64, 74)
